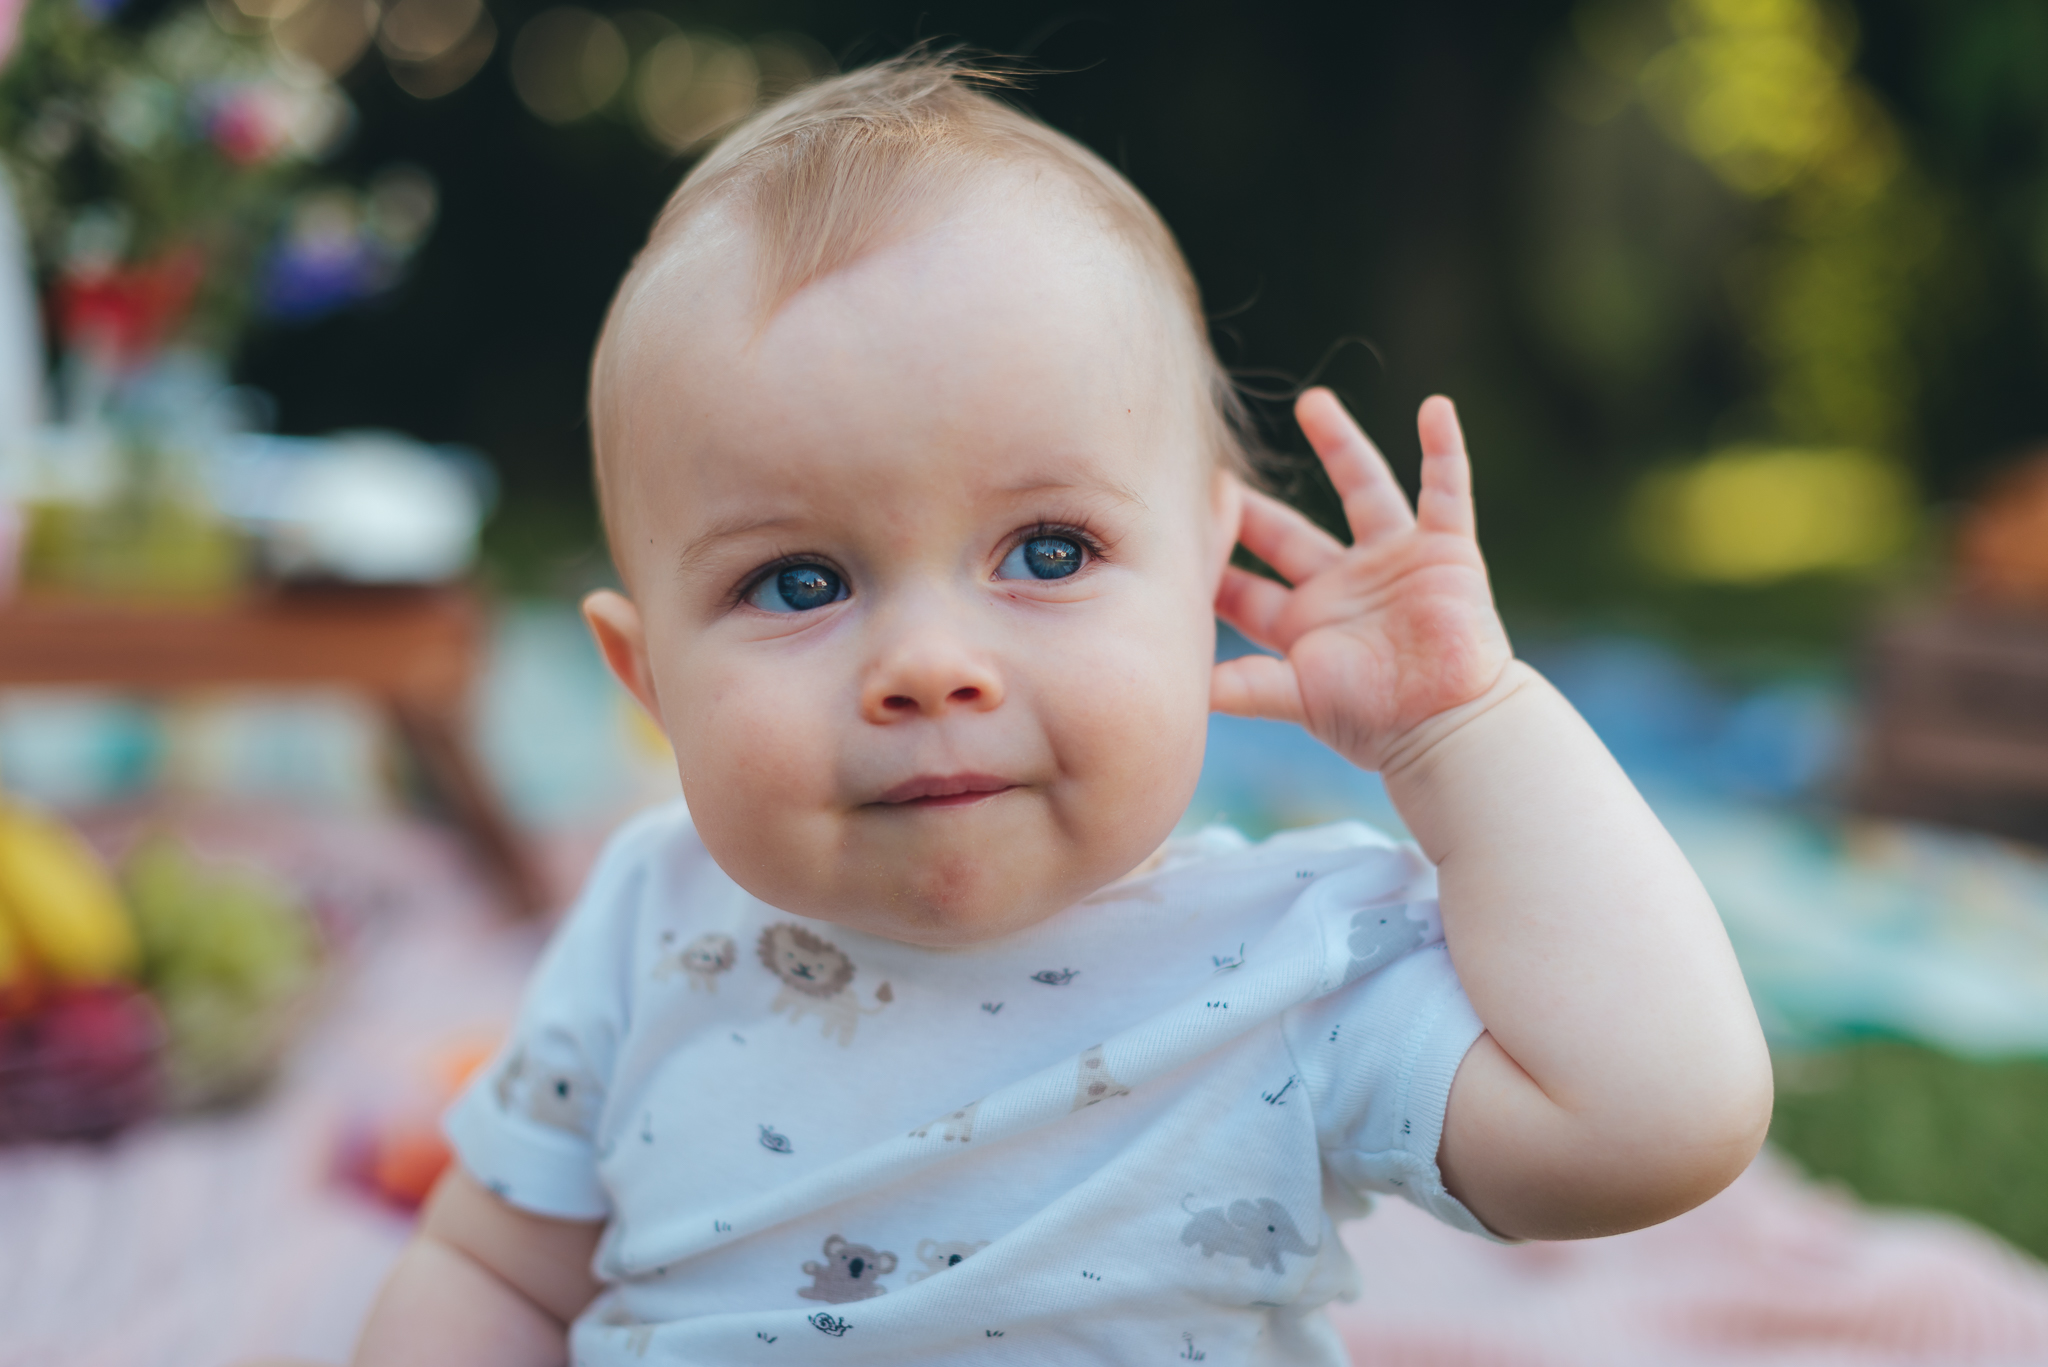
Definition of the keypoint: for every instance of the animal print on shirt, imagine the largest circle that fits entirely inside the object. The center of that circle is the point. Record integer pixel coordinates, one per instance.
(847, 1274)
(816, 979)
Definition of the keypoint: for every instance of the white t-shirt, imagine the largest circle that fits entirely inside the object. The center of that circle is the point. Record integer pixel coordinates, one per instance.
(1121, 1136)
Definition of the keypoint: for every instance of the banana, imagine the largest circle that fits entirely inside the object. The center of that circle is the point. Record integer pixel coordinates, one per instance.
(63, 902)
(16, 972)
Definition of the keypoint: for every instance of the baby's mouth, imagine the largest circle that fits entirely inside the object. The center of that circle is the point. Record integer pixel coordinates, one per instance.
(944, 790)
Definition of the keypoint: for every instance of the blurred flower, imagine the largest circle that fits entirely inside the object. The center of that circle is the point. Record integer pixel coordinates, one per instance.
(244, 125)
(322, 263)
(256, 122)
(339, 249)
(158, 166)
(136, 111)
(121, 314)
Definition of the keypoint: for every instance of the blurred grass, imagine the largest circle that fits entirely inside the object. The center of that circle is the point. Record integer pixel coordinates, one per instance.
(1903, 1125)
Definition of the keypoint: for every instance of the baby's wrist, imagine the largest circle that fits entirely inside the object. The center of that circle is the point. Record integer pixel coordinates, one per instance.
(1415, 750)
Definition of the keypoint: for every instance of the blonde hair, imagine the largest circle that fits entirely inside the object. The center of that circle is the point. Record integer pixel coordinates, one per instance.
(832, 171)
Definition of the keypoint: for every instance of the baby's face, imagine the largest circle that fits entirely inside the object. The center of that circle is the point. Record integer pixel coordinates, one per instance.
(924, 568)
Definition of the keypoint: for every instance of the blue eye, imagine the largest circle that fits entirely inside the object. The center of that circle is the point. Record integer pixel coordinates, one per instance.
(1042, 557)
(797, 589)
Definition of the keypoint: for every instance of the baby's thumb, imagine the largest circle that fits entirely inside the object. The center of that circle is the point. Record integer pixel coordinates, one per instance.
(1257, 686)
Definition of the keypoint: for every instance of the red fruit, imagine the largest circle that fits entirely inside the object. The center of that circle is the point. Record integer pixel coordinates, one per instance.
(83, 1066)
(408, 1163)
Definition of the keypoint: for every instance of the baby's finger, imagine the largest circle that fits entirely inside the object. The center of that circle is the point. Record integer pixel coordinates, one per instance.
(1257, 686)
(1374, 503)
(1252, 604)
(1446, 501)
(1286, 540)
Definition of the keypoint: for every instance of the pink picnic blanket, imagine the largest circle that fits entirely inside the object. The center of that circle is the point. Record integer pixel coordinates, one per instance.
(199, 1243)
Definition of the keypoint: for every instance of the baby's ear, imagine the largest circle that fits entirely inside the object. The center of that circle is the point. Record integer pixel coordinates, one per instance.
(1226, 507)
(615, 623)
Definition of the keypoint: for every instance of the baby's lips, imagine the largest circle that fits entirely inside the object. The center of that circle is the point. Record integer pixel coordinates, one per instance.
(942, 788)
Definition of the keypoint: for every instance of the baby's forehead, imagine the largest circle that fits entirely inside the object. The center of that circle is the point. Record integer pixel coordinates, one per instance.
(992, 296)
(1001, 238)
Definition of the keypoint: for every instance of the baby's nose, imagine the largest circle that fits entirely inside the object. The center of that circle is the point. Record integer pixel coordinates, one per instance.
(930, 677)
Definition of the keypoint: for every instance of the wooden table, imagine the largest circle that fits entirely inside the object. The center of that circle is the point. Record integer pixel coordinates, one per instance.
(415, 651)
(1956, 720)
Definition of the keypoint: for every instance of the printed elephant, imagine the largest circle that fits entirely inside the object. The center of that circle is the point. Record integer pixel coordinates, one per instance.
(1380, 935)
(1259, 1231)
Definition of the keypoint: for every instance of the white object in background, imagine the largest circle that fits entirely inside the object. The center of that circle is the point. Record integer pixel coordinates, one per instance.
(369, 507)
(21, 381)
(21, 332)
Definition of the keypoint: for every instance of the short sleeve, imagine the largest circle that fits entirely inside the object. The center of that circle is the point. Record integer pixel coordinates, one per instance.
(1377, 1058)
(527, 1126)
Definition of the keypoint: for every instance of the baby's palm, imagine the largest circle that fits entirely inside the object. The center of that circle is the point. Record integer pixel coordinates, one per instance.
(1382, 635)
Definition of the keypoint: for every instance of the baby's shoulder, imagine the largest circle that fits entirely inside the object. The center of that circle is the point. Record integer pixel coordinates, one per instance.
(656, 859)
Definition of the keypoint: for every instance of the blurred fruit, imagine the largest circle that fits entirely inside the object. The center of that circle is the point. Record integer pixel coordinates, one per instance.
(62, 902)
(407, 1162)
(2002, 538)
(399, 1154)
(82, 1066)
(17, 973)
(230, 957)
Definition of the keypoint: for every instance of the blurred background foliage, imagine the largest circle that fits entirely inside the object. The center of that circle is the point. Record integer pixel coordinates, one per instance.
(1737, 295)
(1904, 1125)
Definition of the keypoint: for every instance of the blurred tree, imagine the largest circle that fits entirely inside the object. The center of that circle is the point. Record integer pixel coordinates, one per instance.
(1496, 199)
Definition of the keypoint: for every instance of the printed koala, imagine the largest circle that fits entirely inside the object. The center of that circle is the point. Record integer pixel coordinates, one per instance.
(923, 482)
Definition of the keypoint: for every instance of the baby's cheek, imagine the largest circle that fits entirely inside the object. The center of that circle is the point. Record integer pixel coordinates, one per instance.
(1132, 721)
(752, 762)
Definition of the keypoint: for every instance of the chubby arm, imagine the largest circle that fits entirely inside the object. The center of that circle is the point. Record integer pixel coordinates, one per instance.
(1622, 1078)
(482, 1282)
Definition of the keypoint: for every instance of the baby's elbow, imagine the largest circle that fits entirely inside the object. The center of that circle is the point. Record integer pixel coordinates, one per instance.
(1702, 1147)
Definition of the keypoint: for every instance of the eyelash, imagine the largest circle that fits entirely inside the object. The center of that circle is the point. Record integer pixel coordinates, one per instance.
(776, 566)
(1078, 535)
(1081, 536)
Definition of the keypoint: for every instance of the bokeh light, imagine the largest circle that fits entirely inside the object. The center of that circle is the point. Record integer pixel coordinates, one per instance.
(1760, 90)
(567, 63)
(423, 30)
(331, 35)
(1753, 514)
(452, 68)
(692, 86)
(1765, 95)
(787, 60)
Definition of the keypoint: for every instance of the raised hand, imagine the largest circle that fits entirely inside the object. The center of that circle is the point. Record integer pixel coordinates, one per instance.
(1377, 637)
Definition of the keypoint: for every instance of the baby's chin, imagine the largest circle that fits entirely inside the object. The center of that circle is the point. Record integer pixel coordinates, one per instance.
(938, 890)
(939, 904)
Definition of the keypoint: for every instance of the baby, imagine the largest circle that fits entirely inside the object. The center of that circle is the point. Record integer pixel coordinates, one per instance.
(916, 1038)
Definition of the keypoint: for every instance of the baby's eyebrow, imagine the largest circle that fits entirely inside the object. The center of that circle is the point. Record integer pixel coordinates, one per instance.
(727, 529)
(1087, 483)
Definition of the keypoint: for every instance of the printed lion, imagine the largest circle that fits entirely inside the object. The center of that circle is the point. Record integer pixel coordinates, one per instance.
(815, 977)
